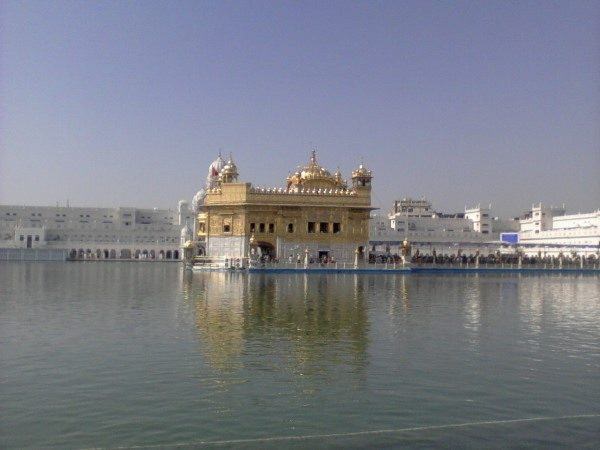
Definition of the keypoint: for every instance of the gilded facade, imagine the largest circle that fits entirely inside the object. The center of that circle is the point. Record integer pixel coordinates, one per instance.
(316, 212)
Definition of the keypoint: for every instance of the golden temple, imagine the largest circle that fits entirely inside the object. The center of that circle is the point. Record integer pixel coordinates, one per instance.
(317, 215)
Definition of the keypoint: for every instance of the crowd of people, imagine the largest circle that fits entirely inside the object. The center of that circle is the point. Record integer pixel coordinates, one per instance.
(460, 259)
(490, 259)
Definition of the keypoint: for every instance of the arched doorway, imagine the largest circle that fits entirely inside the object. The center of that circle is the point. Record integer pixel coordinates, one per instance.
(113, 254)
(361, 252)
(125, 253)
(106, 254)
(161, 254)
(152, 254)
(168, 254)
(137, 254)
(266, 249)
(176, 254)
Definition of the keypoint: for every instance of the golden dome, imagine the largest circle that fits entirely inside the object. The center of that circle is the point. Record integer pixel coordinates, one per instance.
(314, 175)
(361, 172)
(313, 170)
(229, 172)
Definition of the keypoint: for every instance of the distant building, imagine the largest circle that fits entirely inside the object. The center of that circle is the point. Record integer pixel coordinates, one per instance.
(429, 230)
(542, 231)
(96, 233)
(413, 208)
(549, 231)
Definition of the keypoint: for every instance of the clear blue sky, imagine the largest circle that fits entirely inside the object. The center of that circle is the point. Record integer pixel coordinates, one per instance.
(126, 103)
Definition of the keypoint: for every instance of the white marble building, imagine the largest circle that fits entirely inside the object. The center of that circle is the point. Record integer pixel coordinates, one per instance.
(542, 231)
(548, 231)
(429, 231)
(97, 233)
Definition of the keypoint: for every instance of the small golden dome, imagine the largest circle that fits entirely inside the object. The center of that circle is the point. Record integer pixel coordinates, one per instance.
(314, 175)
(361, 172)
(229, 172)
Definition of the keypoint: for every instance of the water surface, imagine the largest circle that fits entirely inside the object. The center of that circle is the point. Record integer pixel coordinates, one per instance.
(140, 354)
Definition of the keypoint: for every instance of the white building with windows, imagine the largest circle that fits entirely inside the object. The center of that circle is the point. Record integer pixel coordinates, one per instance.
(541, 231)
(97, 233)
(548, 231)
(480, 218)
(428, 230)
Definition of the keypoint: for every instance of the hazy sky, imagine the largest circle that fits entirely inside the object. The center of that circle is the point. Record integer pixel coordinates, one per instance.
(126, 103)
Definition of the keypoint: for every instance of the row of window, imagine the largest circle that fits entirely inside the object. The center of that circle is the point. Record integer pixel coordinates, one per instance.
(87, 215)
(324, 227)
(311, 227)
(262, 228)
(122, 240)
(36, 238)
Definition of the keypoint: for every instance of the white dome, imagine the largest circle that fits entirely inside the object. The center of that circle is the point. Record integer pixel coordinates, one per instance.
(184, 232)
(198, 200)
(213, 172)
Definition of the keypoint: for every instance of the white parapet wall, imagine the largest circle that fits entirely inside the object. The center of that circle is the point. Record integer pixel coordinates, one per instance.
(32, 254)
(289, 250)
(227, 246)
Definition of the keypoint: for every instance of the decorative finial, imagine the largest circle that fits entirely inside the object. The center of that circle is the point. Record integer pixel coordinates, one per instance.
(313, 156)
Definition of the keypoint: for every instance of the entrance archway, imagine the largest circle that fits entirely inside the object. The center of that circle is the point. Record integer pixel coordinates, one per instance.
(266, 249)
(361, 253)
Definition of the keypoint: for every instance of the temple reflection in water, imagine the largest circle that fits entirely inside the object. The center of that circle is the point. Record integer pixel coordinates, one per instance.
(315, 318)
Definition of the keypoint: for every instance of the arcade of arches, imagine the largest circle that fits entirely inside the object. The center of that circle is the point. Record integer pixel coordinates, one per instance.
(125, 254)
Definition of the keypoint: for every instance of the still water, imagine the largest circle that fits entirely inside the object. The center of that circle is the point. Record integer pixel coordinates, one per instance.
(139, 354)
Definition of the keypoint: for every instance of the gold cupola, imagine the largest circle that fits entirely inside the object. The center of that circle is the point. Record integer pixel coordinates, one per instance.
(229, 172)
(361, 177)
(339, 180)
(314, 176)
